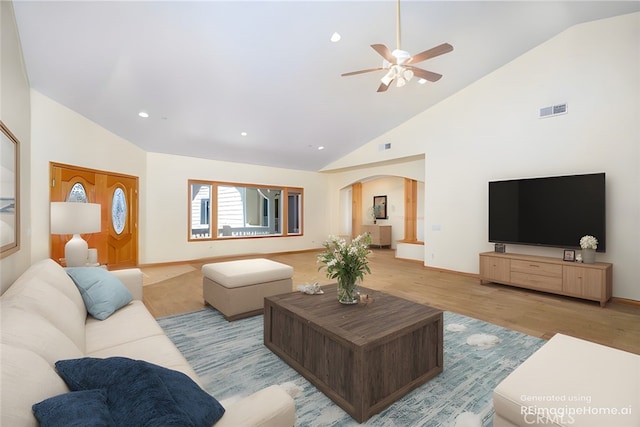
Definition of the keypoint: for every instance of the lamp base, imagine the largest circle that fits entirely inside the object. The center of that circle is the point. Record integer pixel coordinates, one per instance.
(76, 252)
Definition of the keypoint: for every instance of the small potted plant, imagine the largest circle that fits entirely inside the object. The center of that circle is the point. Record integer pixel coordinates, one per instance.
(589, 244)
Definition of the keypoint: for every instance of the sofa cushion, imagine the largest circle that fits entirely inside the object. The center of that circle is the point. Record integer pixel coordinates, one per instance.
(52, 273)
(246, 272)
(117, 330)
(142, 394)
(269, 407)
(26, 379)
(86, 408)
(572, 382)
(102, 292)
(38, 297)
(33, 332)
(157, 349)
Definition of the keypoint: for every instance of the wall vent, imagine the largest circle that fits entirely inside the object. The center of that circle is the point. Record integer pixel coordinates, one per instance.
(385, 146)
(554, 110)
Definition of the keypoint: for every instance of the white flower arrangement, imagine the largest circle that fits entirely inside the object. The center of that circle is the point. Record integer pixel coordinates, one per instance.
(588, 242)
(346, 260)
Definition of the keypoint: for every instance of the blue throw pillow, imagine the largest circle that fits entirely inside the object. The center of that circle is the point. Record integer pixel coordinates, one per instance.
(143, 394)
(102, 292)
(87, 408)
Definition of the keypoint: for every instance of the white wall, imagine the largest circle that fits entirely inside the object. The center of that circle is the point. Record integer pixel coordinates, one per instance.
(15, 114)
(167, 201)
(393, 188)
(63, 136)
(490, 131)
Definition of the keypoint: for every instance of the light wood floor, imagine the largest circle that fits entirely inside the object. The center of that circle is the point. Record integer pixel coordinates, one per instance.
(538, 314)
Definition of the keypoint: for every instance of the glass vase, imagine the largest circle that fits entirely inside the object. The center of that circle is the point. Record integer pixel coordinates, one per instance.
(348, 291)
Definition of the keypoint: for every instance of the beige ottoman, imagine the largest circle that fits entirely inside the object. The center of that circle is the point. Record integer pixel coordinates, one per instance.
(237, 288)
(571, 382)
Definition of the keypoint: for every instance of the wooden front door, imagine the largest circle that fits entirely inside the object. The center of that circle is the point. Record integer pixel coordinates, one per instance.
(117, 242)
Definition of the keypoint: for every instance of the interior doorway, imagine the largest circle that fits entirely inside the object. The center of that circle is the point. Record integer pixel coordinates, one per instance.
(117, 242)
(405, 203)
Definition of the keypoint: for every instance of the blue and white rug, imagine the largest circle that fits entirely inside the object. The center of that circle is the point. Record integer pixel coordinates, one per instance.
(233, 362)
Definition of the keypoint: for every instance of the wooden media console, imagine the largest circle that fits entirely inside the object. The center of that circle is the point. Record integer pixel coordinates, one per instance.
(586, 281)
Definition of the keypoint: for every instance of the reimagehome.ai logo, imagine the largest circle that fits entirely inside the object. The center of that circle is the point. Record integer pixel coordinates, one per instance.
(564, 409)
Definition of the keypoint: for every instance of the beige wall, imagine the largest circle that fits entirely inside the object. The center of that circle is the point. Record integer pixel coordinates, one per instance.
(15, 113)
(490, 130)
(167, 201)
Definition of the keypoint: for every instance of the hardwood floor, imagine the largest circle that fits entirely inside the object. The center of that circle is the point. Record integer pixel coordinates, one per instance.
(534, 313)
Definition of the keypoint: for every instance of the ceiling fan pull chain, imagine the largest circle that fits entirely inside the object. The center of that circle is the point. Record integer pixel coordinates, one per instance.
(398, 25)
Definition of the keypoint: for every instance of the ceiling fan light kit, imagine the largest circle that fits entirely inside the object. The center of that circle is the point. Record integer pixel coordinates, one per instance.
(398, 63)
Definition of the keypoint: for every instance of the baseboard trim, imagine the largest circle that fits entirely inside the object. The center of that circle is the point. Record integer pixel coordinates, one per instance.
(458, 273)
(626, 301)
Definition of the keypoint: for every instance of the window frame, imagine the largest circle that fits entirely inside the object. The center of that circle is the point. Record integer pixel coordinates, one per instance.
(285, 192)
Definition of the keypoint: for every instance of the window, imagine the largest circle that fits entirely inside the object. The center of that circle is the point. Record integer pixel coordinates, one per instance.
(77, 194)
(221, 210)
(118, 210)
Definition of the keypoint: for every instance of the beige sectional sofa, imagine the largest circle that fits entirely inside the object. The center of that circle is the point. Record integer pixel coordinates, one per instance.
(44, 320)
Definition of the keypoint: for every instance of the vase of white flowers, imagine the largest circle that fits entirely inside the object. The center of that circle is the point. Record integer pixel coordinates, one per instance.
(347, 263)
(372, 214)
(589, 244)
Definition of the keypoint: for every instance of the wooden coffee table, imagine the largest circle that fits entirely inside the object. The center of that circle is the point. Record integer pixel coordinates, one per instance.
(364, 356)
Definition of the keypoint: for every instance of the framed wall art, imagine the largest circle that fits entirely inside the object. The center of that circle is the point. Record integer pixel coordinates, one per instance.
(9, 192)
(380, 207)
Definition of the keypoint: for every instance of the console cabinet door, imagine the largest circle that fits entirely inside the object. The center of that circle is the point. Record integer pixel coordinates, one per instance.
(495, 269)
(583, 282)
(380, 234)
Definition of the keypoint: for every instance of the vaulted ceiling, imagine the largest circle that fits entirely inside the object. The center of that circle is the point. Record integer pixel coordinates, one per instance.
(259, 81)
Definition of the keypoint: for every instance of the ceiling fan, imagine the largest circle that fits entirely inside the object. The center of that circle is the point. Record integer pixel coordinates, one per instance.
(399, 63)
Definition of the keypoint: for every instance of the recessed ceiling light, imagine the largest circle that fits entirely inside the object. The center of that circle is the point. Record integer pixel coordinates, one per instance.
(335, 37)
(422, 81)
(321, 148)
(143, 114)
(243, 134)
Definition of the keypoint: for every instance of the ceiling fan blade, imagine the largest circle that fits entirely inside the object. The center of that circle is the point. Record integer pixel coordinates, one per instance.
(383, 87)
(353, 73)
(424, 74)
(384, 52)
(431, 53)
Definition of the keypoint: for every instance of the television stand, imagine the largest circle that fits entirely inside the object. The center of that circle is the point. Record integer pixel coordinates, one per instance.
(586, 281)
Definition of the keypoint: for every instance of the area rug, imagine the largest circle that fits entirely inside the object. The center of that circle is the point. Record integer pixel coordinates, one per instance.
(233, 362)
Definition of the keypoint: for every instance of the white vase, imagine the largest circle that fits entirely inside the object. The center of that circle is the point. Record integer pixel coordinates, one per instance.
(588, 256)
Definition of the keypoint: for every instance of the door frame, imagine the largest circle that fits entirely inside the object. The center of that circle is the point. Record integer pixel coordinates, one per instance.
(101, 196)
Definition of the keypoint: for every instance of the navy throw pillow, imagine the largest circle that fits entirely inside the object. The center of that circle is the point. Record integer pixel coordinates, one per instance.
(143, 394)
(86, 408)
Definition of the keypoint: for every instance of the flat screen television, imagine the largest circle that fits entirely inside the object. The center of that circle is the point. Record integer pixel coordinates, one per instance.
(552, 211)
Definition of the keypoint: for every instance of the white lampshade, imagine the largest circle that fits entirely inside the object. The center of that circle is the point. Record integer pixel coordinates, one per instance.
(75, 218)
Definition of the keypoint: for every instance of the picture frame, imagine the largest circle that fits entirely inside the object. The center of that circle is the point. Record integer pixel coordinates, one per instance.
(9, 192)
(380, 207)
(569, 255)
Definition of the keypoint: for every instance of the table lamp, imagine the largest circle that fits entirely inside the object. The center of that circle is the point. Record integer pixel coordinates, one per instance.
(75, 218)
